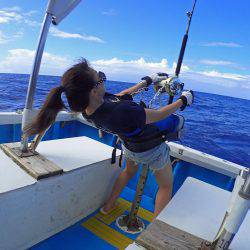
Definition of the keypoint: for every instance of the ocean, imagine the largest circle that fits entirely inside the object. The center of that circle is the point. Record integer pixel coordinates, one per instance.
(215, 124)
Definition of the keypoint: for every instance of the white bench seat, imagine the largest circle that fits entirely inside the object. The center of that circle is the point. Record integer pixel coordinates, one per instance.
(52, 204)
(11, 175)
(199, 208)
(68, 154)
(76, 152)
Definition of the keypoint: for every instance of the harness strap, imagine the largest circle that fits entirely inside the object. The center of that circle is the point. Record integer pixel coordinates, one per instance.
(113, 157)
(164, 135)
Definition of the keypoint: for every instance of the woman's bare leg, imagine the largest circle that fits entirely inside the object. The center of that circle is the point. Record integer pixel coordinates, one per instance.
(164, 178)
(120, 183)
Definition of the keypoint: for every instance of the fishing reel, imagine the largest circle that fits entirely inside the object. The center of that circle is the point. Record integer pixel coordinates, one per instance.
(172, 86)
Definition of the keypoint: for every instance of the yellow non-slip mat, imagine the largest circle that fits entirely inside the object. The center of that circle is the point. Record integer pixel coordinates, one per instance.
(143, 213)
(100, 224)
(112, 216)
(122, 206)
(107, 233)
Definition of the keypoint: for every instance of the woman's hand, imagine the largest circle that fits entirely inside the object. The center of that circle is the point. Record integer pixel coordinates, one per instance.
(187, 98)
(158, 77)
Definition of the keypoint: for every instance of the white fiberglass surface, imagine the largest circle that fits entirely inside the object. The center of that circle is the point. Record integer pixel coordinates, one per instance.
(241, 240)
(72, 153)
(197, 208)
(11, 175)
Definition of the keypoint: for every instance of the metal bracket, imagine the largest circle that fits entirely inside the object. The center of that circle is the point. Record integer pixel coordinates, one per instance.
(245, 189)
(181, 151)
(31, 150)
(131, 223)
(22, 154)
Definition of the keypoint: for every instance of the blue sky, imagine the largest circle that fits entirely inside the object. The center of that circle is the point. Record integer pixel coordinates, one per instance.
(130, 39)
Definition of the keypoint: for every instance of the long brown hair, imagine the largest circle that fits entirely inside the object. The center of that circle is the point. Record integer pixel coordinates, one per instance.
(76, 82)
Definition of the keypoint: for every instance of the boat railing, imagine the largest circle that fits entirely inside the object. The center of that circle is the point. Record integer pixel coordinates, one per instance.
(236, 212)
(176, 150)
(16, 117)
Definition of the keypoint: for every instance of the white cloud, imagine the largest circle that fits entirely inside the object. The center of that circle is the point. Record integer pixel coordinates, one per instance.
(184, 68)
(15, 15)
(228, 64)
(30, 13)
(21, 61)
(19, 34)
(222, 44)
(32, 23)
(216, 62)
(214, 73)
(211, 81)
(133, 70)
(110, 12)
(217, 85)
(129, 70)
(9, 16)
(14, 8)
(246, 85)
(3, 38)
(58, 33)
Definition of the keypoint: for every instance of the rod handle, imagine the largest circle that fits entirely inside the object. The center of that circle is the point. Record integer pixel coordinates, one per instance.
(181, 55)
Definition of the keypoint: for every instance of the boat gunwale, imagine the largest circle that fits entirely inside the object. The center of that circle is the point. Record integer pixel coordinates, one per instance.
(178, 151)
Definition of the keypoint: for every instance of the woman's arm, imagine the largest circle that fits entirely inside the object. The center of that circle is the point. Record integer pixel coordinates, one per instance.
(155, 115)
(146, 81)
(133, 89)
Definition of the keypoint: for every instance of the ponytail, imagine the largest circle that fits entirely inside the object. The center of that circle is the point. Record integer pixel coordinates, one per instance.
(77, 83)
(47, 115)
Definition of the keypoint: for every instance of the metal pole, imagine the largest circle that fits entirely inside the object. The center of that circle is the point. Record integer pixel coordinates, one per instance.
(235, 218)
(245, 190)
(131, 223)
(138, 195)
(239, 181)
(33, 78)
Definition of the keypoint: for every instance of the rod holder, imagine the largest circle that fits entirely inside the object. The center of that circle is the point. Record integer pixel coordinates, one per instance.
(131, 223)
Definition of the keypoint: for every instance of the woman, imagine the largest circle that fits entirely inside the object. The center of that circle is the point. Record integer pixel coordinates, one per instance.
(85, 92)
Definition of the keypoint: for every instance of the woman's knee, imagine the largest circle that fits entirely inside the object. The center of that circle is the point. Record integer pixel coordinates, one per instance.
(165, 186)
(131, 168)
(164, 177)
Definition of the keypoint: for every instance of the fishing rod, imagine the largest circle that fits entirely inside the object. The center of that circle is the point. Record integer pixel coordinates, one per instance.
(172, 85)
(182, 52)
(131, 223)
(184, 42)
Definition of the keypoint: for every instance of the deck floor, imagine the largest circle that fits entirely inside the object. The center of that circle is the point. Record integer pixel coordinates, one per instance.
(97, 231)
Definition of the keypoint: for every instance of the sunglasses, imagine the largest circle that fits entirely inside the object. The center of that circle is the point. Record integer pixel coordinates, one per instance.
(102, 78)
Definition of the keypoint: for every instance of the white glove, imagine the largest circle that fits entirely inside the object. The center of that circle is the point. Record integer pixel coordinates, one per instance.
(187, 98)
(154, 78)
(159, 77)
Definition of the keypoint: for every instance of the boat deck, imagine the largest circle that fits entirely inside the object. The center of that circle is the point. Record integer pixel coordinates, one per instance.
(86, 166)
(205, 206)
(97, 231)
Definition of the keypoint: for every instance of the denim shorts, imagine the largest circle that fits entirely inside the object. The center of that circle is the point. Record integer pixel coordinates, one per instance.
(156, 158)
